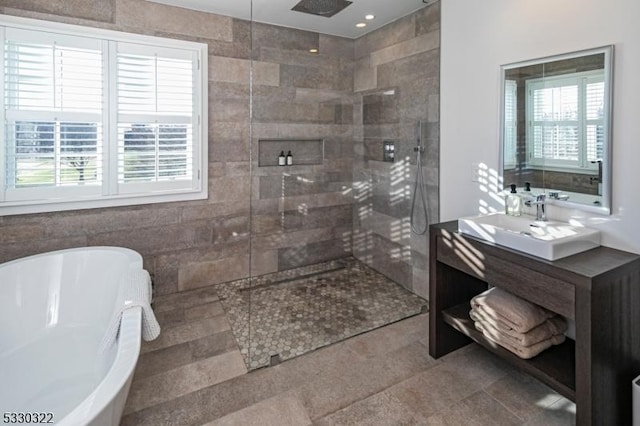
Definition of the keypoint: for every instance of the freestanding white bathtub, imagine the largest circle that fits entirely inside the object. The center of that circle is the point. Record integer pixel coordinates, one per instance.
(54, 311)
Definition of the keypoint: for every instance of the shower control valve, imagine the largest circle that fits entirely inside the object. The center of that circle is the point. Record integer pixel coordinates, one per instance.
(388, 151)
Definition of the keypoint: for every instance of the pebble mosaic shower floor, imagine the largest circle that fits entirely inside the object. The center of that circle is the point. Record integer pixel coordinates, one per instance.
(303, 309)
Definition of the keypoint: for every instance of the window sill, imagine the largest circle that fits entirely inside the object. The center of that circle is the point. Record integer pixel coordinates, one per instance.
(10, 209)
(577, 170)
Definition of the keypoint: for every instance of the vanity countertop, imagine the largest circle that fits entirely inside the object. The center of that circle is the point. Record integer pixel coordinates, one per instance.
(588, 264)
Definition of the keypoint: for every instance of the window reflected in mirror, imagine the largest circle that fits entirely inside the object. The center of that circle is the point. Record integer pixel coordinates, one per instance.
(555, 133)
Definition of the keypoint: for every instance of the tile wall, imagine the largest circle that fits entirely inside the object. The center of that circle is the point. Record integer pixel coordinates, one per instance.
(300, 214)
(185, 245)
(396, 83)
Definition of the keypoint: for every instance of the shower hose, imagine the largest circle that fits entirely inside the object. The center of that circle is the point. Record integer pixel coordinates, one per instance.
(418, 189)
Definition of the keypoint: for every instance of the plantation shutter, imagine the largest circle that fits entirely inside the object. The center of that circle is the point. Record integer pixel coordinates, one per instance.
(595, 119)
(53, 111)
(155, 118)
(510, 123)
(566, 120)
(555, 123)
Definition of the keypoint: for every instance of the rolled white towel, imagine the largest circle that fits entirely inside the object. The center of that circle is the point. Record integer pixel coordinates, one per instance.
(135, 290)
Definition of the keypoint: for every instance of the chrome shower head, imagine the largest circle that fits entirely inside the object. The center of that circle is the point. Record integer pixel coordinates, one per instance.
(326, 8)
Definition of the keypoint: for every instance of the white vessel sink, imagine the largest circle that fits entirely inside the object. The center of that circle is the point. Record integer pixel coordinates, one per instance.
(548, 240)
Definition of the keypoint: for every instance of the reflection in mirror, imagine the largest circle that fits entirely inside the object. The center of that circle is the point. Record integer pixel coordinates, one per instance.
(556, 116)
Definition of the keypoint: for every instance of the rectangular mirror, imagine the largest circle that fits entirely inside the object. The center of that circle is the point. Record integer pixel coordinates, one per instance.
(556, 128)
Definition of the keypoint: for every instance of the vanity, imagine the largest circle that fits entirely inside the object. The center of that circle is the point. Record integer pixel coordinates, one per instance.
(599, 289)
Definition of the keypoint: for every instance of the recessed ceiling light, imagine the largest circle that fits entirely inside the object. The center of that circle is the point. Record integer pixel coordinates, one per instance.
(361, 25)
(370, 17)
(313, 50)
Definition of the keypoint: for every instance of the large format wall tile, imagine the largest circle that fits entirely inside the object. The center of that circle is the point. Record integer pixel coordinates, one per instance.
(173, 237)
(422, 43)
(396, 80)
(96, 10)
(303, 205)
(152, 16)
(296, 95)
(398, 31)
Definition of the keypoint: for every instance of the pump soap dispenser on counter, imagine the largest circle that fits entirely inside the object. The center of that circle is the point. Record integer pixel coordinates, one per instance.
(513, 202)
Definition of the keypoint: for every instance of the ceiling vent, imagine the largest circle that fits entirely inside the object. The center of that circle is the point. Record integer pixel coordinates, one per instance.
(326, 8)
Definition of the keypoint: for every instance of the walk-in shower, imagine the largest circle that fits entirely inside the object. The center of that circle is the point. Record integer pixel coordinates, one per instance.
(337, 237)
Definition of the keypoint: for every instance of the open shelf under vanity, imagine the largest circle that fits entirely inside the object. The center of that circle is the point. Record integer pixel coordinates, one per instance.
(555, 366)
(599, 289)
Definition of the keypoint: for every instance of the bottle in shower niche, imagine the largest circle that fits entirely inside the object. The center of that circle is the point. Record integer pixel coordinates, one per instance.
(513, 202)
(289, 158)
(281, 159)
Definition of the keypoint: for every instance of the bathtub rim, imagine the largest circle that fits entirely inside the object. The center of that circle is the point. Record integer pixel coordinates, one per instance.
(135, 258)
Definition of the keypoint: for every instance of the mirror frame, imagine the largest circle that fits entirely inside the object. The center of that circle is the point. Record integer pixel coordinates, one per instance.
(605, 207)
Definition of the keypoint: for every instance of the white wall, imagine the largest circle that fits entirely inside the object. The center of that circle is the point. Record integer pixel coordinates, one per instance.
(478, 37)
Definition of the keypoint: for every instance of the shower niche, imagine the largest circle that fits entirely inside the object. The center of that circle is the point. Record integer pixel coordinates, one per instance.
(304, 151)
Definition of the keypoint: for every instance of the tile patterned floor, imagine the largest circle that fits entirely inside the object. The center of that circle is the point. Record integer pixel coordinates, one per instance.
(330, 302)
(194, 375)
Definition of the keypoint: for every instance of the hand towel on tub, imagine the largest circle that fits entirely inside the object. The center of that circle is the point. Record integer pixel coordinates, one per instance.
(524, 352)
(135, 290)
(551, 327)
(517, 313)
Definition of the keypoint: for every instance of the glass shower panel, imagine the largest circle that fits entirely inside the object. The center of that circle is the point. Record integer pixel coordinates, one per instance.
(301, 212)
(226, 218)
(331, 252)
(396, 104)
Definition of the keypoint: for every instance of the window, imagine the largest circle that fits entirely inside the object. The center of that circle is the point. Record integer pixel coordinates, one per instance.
(510, 123)
(100, 120)
(566, 121)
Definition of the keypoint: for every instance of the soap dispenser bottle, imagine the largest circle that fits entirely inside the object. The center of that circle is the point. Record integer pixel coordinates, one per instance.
(289, 158)
(281, 159)
(513, 202)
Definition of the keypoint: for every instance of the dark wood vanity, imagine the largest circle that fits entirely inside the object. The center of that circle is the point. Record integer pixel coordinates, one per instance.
(599, 289)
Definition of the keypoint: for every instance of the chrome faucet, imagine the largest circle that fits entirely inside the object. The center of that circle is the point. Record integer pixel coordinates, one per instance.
(541, 213)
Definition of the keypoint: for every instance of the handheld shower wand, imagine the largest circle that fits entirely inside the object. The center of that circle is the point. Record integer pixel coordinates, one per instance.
(419, 189)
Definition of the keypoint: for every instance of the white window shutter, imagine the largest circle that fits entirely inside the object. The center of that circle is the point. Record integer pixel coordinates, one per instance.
(156, 117)
(98, 118)
(53, 113)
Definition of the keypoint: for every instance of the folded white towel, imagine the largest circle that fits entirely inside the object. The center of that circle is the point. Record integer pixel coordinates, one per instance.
(521, 351)
(517, 313)
(135, 290)
(551, 327)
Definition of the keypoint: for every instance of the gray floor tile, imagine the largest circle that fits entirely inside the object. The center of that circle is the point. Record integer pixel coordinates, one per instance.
(185, 299)
(478, 409)
(523, 395)
(562, 413)
(281, 410)
(162, 360)
(288, 318)
(378, 409)
(183, 380)
(187, 332)
(194, 373)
